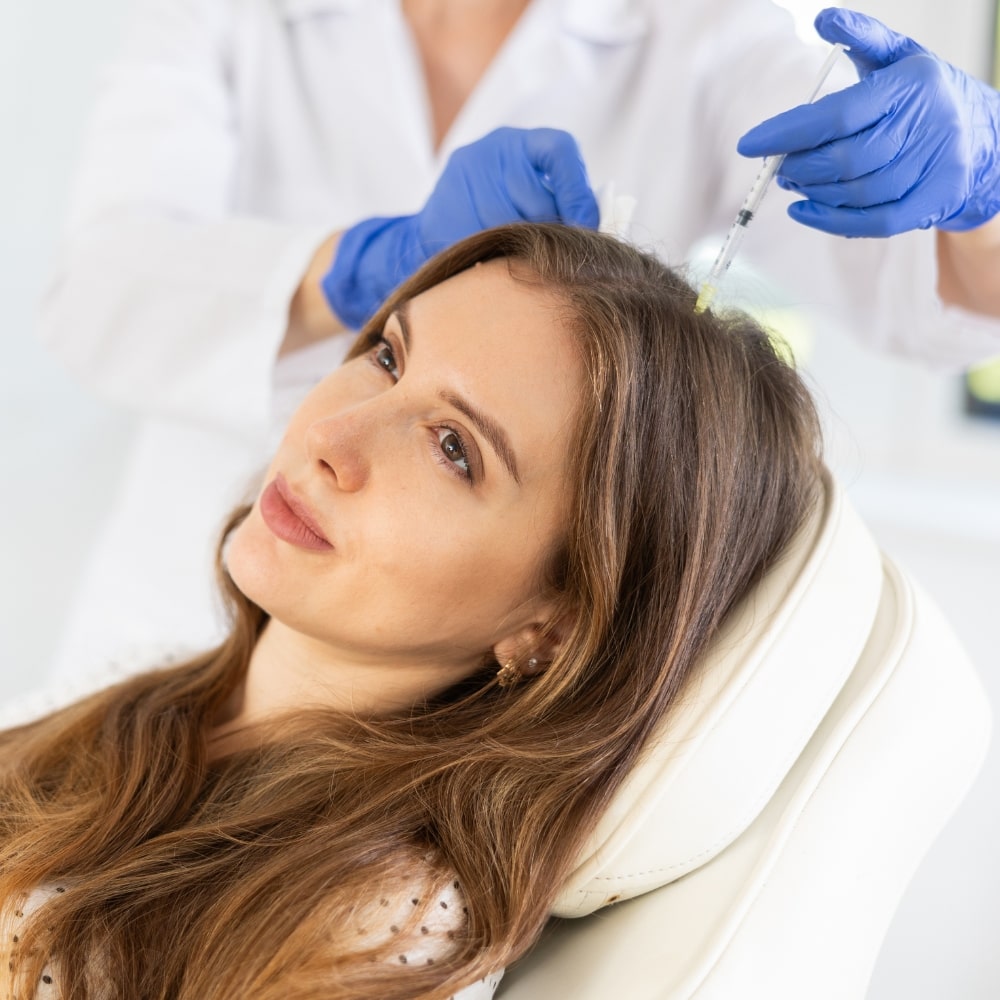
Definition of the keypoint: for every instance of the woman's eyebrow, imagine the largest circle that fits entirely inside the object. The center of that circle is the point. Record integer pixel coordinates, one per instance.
(402, 315)
(490, 430)
(487, 426)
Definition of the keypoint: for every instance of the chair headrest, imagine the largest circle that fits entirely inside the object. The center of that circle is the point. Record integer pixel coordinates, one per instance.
(770, 676)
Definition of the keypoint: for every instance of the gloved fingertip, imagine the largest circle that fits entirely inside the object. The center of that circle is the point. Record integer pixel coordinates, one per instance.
(871, 44)
(751, 143)
(805, 212)
(838, 24)
(585, 211)
(587, 214)
(827, 18)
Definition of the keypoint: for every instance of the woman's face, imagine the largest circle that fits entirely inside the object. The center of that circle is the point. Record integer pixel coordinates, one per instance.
(418, 491)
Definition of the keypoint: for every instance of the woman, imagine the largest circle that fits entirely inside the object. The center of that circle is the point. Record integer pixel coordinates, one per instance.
(235, 139)
(489, 551)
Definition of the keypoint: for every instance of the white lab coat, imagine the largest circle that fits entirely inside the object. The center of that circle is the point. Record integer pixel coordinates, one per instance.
(234, 135)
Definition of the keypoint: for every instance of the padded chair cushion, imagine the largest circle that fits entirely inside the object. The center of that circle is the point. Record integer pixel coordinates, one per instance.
(798, 905)
(771, 676)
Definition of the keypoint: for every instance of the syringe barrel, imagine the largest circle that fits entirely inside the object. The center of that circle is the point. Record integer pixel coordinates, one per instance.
(734, 239)
(770, 166)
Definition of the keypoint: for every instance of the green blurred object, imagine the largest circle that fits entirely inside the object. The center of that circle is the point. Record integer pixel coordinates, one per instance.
(791, 333)
(984, 382)
(982, 390)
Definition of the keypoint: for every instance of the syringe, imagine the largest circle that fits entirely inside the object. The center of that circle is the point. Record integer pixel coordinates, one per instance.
(768, 168)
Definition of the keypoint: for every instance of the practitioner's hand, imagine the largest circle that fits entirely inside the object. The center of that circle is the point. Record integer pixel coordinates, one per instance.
(914, 144)
(510, 175)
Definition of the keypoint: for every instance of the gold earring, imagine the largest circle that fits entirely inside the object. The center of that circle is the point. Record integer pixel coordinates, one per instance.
(510, 673)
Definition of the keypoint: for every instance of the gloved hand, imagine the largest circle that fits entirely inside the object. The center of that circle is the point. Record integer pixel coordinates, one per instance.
(914, 144)
(510, 175)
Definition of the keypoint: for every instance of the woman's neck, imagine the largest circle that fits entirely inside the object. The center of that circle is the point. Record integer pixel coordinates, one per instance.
(290, 671)
(457, 41)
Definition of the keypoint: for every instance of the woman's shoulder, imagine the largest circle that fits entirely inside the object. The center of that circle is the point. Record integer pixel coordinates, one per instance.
(13, 917)
(421, 926)
(415, 927)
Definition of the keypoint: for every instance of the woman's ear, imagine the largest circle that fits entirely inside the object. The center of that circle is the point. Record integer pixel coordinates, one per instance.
(532, 648)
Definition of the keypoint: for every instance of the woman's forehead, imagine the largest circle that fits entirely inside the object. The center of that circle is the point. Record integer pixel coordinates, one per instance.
(491, 310)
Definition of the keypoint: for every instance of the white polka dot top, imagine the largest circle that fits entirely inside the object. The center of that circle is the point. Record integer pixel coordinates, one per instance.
(440, 918)
(441, 915)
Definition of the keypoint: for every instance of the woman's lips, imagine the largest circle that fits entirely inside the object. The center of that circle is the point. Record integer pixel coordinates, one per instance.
(289, 518)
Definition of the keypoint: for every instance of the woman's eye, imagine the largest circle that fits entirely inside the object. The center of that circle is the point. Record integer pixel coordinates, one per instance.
(454, 450)
(385, 359)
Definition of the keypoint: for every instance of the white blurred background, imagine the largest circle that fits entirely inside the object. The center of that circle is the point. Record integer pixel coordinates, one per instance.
(926, 477)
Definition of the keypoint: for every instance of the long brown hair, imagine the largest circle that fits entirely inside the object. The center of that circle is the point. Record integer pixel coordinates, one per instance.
(197, 880)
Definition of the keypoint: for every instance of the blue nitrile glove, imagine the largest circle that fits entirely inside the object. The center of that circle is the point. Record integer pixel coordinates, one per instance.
(914, 144)
(510, 175)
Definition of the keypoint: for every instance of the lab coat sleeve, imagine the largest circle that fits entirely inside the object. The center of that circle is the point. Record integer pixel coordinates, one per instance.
(883, 291)
(163, 298)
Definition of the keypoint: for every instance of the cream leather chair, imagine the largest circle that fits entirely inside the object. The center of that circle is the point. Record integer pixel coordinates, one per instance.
(761, 848)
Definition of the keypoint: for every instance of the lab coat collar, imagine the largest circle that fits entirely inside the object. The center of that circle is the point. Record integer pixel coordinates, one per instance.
(608, 22)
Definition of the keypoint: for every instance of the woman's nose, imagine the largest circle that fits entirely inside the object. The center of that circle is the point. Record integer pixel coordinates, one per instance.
(343, 444)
